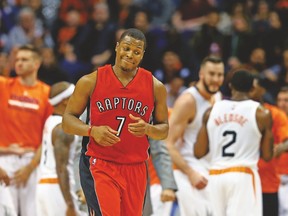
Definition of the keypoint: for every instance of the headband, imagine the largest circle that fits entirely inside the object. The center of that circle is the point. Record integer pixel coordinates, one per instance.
(63, 95)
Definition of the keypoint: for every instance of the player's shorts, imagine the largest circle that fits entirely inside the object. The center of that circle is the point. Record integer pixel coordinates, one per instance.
(111, 188)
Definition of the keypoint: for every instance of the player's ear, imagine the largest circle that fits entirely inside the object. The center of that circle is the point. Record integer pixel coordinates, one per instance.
(117, 45)
(230, 86)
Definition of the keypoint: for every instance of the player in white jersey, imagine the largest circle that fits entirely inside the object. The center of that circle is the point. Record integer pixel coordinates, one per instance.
(55, 189)
(282, 103)
(191, 174)
(235, 132)
(5, 204)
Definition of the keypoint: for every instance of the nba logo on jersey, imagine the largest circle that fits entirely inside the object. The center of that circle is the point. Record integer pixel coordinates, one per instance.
(94, 161)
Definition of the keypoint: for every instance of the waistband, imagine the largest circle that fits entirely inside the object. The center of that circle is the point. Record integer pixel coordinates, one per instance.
(48, 181)
(247, 170)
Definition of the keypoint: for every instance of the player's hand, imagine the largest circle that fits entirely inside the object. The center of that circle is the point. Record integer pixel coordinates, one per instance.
(16, 149)
(137, 128)
(81, 196)
(22, 175)
(278, 150)
(197, 180)
(4, 178)
(168, 195)
(104, 135)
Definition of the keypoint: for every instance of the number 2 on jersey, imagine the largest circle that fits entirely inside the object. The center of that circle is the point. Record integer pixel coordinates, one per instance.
(233, 140)
(121, 124)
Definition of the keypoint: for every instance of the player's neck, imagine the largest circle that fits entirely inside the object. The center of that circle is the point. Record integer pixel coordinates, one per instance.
(239, 96)
(29, 80)
(124, 77)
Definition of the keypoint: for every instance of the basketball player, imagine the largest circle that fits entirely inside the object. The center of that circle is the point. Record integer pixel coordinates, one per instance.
(235, 132)
(4, 178)
(122, 98)
(24, 109)
(55, 192)
(162, 186)
(185, 121)
(282, 103)
(269, 171)
(5, 207)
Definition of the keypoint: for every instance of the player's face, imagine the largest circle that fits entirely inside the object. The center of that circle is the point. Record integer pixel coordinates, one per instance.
(25, 63)
(212, 76)
(257, 92)
(282, 101)
(129, 53)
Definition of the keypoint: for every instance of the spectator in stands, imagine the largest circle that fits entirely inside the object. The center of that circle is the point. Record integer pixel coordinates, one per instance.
(241, 41)
(160, 11)
(205, 40)
(283, 75)
(49, 71)
(268, 171)
(190, 15)
(69, 32)
(155, 38)
(29, 30)
(97, 37)
(123, 12)
(71, 65)
(174, 88)
(172, 65)
(274, 39)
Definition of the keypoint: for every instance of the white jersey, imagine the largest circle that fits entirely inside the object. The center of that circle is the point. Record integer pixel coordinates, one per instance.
(46, 187)
(48, 163)
(192, 129)
(234, 137)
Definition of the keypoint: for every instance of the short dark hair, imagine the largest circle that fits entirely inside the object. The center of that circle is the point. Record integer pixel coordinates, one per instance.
(134, 33)
(262, 81)
(30, 47)
(242, 80)
(211, 58)
(284, 89)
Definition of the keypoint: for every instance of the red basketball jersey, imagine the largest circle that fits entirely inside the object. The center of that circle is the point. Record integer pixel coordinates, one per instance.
(111, 103)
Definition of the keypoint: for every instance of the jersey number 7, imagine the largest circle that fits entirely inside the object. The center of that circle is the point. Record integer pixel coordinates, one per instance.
(121, 124)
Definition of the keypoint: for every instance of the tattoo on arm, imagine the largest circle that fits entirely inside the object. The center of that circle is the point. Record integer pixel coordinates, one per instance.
(62, 142)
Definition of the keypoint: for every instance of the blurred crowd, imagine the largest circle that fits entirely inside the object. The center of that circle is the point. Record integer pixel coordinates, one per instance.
(77, 36)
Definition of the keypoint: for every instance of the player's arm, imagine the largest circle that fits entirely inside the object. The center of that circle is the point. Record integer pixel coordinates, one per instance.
(264, 121)
(22, 175)
(163, 166)
(61, 142)
(4, 177)
(282, 133)
(281, 148)
(77, 104)
(159, 130)
(201, 147)
(183, 113)
(103, 135)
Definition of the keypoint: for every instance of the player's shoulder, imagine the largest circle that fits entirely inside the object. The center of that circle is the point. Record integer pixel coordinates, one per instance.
(88, 79)
(4, 81)
(263, 113)
(185, 102)
(276, 112)
(46, 88)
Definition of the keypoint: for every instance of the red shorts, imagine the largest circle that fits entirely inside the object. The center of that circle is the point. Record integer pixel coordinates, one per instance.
(120, 188)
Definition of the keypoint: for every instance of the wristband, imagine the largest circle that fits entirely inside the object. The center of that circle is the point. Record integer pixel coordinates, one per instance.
(89, 130)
